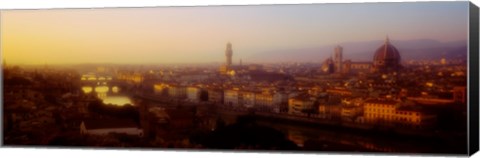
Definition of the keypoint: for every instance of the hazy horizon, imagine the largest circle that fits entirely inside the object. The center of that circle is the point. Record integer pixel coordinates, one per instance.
(167, 35)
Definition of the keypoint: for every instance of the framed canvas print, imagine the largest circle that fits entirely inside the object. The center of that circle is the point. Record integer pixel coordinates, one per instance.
(357, 78)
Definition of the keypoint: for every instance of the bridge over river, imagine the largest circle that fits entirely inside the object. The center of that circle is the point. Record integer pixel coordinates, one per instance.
(107, 88)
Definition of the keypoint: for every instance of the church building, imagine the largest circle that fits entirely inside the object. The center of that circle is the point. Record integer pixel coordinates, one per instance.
(386, 59)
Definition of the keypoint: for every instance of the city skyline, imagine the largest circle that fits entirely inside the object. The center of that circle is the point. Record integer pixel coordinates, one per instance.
(144, 35)
(377, 78)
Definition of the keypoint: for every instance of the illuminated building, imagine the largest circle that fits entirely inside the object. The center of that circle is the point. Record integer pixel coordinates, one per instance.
(248, 98)
(224, 69)
(193, 94)
(386, 58)
(392, 113)
(380, 110)
(177, 91)
(443, 61)
(231, 97)
(264, 99)
(300, 104)
(129, 76)
(160, 89)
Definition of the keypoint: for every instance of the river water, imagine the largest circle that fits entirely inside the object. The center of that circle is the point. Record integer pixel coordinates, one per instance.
(318, 138)
(332, 139)
(109, 95)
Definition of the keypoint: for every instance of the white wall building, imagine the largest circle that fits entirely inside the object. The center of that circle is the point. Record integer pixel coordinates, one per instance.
(104, 127)
(177, 91)
(248, 99)
(193, 94)
(231, 97)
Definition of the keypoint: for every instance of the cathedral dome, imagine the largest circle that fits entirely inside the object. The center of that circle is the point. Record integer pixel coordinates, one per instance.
(386, 57)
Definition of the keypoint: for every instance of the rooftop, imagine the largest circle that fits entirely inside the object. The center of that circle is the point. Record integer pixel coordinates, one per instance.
(377, 101)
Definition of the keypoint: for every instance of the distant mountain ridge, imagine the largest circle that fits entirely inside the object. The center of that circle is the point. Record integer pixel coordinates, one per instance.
(364, 51)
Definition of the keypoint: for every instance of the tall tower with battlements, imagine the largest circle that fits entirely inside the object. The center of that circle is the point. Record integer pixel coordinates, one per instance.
(229, 54)
(338, 59)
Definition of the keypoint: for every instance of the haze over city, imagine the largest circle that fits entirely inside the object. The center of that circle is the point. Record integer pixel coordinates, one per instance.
(198, 34)
(377, 77)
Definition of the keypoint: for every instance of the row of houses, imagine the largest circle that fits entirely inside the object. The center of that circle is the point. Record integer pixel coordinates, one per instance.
(249, 98)
(230, 97)
(384, 112)
(392, 112)
(354, 109)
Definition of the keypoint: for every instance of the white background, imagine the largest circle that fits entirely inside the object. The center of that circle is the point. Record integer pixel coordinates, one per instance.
(82, 153)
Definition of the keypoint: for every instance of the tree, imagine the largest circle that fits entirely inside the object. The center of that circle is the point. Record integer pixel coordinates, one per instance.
(245, 133)
(203, 95)
(220, 123)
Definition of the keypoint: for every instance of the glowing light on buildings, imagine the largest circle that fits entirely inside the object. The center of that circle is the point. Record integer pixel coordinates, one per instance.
(115, 89)
(101, 89)
(87, 89)
(117, 100)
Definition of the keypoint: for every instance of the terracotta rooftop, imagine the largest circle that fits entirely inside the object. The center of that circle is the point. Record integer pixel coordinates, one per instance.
(376, 101)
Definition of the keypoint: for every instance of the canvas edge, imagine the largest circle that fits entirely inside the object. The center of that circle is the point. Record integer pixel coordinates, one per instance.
(473, 98)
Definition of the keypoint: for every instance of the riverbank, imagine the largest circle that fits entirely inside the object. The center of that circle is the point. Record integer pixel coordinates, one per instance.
(340, 124)
(365, 140)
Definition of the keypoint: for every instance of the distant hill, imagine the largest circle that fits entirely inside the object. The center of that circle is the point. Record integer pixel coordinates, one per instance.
(363, 51)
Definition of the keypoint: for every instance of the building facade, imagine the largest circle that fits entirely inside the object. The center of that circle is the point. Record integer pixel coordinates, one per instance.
(338, 59)
(177, 91)
(215, 96)
(300, 104)
(193, 94)
(389, 112)
(386, 59)
(231, 97)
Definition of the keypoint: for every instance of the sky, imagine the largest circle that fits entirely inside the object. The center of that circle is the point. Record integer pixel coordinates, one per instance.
(199, 34)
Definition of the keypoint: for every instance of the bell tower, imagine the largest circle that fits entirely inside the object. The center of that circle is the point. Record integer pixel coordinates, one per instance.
(229, 54)
(338, 59)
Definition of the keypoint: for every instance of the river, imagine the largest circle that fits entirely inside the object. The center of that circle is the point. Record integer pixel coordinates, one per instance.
(315, 137)
(109, 95)
(320, 138)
